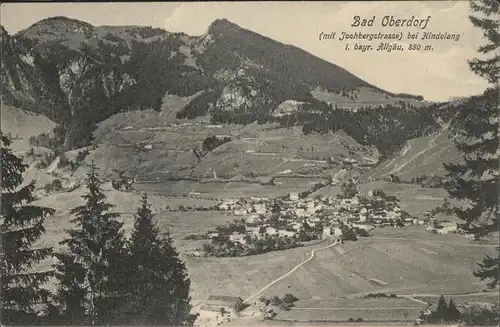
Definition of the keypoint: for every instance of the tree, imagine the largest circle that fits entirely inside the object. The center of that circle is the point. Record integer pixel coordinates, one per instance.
(349, 189)
(90, 272)
(452, 313)
(348, 233)
(21, 226)
(475, 181)
(439, 315)
(158, 280)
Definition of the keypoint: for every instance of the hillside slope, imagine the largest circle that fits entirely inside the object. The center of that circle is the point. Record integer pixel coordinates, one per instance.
(425, 155)
(421, 156)
(21, 125)
(78, 74)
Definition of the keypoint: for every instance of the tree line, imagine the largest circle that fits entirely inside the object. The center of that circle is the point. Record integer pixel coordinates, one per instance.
(101, 276)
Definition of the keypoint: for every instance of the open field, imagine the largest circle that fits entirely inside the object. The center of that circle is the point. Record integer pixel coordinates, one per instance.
(393, 260)
(234, 189)
(463, 299)
(380, 309)
(22, 125)
(240, 276)
(387, 264)
(276, 322)
(149, 145)
(413, 198)
(365, 97)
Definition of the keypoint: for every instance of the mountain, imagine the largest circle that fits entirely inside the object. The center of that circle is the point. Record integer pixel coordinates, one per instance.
(78, 74)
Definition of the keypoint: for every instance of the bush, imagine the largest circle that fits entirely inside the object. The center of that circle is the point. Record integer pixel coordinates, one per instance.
(264, 300)
(290, 298)
(55, 185)
(81, 155)
(275, 300)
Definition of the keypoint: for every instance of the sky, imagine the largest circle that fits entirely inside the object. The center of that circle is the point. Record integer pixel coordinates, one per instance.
(438, 74)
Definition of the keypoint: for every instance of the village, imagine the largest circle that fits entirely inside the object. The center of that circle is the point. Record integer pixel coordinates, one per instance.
(269, 224)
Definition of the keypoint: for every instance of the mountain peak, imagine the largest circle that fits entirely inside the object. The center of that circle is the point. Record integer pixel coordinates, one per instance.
(58, 25)
(221, 24)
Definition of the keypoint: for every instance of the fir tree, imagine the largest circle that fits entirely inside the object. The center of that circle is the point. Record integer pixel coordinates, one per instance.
(475, 181)
(158, 280)
(439, 315)
(21, 226)
(90, 273)
(452, 313)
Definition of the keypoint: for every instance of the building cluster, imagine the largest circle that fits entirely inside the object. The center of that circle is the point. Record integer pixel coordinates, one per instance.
(305, 219)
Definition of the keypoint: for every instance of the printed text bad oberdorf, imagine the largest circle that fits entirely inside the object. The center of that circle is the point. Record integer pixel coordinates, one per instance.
(391, 21)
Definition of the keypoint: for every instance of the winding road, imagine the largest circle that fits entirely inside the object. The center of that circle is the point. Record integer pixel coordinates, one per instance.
(313, 253)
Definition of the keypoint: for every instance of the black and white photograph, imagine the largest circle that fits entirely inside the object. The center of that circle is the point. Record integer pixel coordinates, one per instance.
(250, 164)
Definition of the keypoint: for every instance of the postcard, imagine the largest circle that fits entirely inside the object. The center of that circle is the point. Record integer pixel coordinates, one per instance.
(250, 163)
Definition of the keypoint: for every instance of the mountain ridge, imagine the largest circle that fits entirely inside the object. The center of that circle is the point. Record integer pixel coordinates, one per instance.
(79, 74)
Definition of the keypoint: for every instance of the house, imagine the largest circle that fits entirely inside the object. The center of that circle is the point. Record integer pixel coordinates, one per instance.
(252, 228)
(301, 213)
(259, 209)
(327, 232)
(295, 225)
(331, 231)
(238, 238)
(364, 226)
(288, 233)
(240, 212)
(224, 207)
(216, 303)
(337, 231)
(447, 228)
(271, 231)
(252, 219)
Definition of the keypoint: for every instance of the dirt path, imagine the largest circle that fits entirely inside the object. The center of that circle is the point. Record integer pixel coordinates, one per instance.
(313, 253)
(433, 241)
(363, 308)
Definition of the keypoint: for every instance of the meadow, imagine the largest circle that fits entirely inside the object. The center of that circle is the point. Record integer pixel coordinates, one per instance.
(228, 189)
(379, 309)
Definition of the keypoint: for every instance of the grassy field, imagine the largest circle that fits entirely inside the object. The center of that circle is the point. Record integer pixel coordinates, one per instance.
(414, 198)
(464, 299)
(22, 125)
(365, 97)
(401, 261)
(418, 262)
(241, 276)
(228, 189)
(380, 309)
(258, 149)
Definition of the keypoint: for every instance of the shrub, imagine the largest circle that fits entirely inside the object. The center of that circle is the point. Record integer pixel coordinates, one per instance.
(264, 300)
(290, 298)
(275, 300)
(55, 185)
(81, 155)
